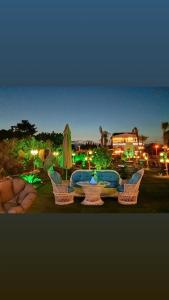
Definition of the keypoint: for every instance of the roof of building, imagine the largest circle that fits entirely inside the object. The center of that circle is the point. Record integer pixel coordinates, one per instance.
(124, 134)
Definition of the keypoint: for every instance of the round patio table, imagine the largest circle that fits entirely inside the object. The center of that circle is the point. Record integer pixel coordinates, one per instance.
(92, 192)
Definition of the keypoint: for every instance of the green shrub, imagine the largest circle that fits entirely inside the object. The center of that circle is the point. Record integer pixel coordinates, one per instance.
(102, 158)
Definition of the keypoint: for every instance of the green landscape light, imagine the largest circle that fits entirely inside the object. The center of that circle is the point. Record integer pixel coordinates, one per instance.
(31, 178)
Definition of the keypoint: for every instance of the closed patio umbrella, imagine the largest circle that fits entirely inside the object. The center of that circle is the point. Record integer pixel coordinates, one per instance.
(67, 149)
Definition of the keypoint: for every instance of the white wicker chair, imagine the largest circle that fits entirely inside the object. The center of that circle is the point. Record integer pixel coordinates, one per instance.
(61, 194)
(130, 194)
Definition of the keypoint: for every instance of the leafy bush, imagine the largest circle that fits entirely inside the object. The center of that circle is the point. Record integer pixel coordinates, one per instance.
(22, 151)
(8, 163)
(102, 158)
(128, 154)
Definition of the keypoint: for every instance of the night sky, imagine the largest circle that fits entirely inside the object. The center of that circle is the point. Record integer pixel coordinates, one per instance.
(86, 108)
(85, 43)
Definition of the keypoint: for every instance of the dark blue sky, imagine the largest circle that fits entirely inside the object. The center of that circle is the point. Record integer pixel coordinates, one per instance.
(86, 108)
(84, 42)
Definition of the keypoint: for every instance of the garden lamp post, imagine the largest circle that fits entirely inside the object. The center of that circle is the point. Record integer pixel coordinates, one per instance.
(146, 157)
(88, 158)
(156, 147)
(34, 152)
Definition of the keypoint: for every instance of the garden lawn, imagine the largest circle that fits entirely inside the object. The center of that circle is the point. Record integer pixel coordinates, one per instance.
(153, 198)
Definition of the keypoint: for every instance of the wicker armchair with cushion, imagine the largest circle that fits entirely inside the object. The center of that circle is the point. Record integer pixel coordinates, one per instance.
(16, 195)
(63, 193)
(128, 192)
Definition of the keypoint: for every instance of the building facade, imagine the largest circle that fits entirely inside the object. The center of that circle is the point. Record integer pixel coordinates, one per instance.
(126, 141)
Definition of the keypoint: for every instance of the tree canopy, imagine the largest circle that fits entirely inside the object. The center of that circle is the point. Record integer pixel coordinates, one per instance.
(25, 129)
(20, 130)
(56, 138)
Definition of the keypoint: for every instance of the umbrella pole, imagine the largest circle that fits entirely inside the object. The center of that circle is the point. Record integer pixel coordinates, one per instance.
(66, 174)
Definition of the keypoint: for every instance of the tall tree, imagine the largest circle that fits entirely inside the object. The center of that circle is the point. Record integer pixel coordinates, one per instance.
(143, 138)
(135, 131)
(111, 141)
(23, 129)
(104, 137)
(5, 134)
(165, 128)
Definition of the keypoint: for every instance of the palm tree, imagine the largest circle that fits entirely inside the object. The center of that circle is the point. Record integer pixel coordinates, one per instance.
(104, 137)
(111, 140)
(165, 128)
(135, 131)
(143, 138)
(101, 133)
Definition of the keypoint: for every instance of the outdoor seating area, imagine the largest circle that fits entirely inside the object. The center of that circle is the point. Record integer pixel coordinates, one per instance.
(35, 174)
(18, 196)
(111, 177)
(152, 198)
(81, 185)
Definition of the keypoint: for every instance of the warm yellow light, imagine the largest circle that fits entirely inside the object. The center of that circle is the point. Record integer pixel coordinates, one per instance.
(161, 154)
(118, 151)
(90, 152)
(156, 146)
(55, 153)
(167, 160)
(73, 154)
(165, 147)
(34, 152)
(85, 158)
(161, 160)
